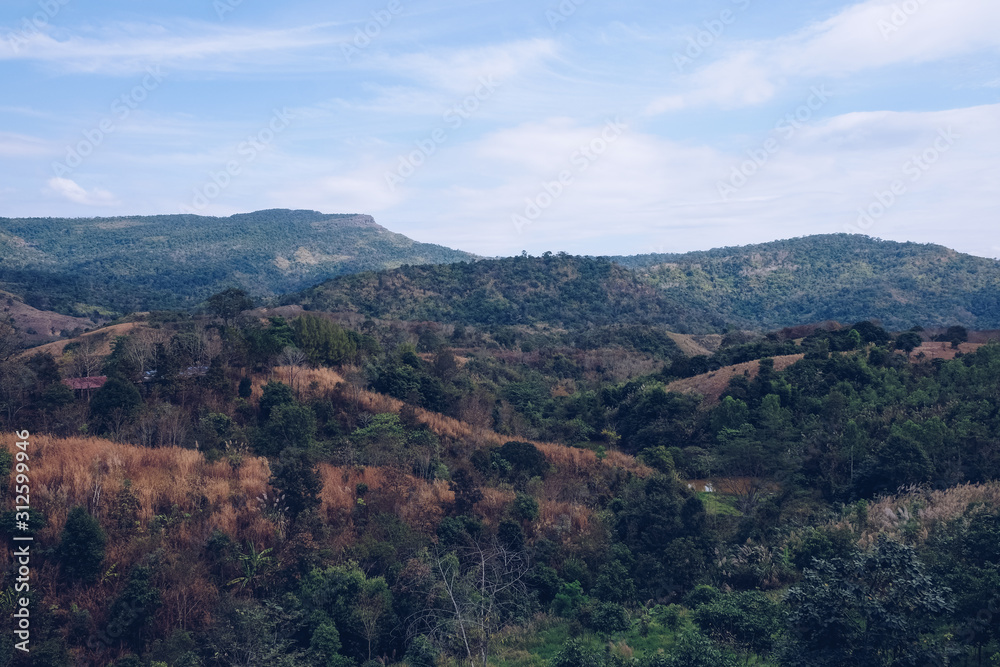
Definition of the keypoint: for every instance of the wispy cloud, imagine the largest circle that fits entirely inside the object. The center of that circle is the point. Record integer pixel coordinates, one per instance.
(865, 36)
(124, 49)
(72, 191)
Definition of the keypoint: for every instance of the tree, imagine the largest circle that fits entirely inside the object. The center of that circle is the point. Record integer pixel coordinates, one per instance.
(116, 401)
(292, 358)
(250, 634)
(473, 593)
(254, 564)
(956, 335)
(229, 303)
(10, 341)
(748, 621)
(295, 475)
(908, 341)
(81, 546)
(324, 342)
(877, 609)
(134, 607)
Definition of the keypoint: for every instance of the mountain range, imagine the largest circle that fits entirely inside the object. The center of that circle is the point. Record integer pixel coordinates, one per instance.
(104, 267)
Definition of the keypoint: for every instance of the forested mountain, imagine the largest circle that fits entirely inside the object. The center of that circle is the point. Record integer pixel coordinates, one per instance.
(99, 265)
(785, 283)
(561, 290)
(840, 277)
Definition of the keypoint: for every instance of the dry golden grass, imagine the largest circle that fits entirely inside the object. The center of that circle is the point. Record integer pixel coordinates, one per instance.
(713, 385)
(913, 514)
(929, 351)
(308, 381)
(419, 502)
(327, 380)
(107, 334)
(563, 519)
(75, 471)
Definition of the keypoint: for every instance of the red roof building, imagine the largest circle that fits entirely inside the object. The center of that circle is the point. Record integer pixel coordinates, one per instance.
(85, 384)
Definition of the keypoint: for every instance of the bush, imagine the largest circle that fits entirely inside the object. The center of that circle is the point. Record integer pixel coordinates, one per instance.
(81, 546)
(421, 653)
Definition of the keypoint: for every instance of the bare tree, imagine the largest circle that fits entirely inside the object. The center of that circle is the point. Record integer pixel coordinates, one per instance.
(87, 356)
(473, 593)
(293, 358)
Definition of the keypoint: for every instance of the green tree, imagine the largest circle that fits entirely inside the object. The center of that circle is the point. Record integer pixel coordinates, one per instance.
(229, 303)
(909, 341)
(324, 342)
(296, 477)
(134, 608)
(877, 609)
(114, 403)
(81, 546)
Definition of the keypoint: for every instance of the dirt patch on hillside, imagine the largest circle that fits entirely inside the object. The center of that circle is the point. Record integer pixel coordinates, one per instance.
(930, 351)
(713, 385)
(694, 346)
(39, 326)
(106, 335)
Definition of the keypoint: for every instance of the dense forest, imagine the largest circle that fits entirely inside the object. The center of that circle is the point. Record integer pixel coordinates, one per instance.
(432, 467)
(90, 267)
(844, 277)
(781, 284)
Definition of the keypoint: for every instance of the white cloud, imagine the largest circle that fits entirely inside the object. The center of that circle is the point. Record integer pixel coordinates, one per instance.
(123, 49)
(865, 36)
(648, 193)
(72, 191)
(459, 71)
(19, 145)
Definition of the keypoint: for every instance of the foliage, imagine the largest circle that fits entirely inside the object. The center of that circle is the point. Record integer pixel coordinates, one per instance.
(142, 263)
(875, 609)
(81, 546)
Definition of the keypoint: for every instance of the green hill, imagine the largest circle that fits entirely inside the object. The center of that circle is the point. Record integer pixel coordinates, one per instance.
(831, 277)
(79, 266)
(769, 286)
(560, 290)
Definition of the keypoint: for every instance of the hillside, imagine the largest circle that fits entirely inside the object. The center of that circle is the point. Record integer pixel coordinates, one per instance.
(765, 287)
(80, 266)
(560, 290)
(39, 326)
(840, 277)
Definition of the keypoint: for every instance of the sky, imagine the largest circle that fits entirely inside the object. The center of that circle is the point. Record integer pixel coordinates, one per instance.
(499, 126)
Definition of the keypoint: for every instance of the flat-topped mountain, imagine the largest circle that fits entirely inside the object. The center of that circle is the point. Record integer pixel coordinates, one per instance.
(82, 265)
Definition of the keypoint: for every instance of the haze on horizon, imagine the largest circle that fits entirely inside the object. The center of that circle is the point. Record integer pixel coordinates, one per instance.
(495, 127)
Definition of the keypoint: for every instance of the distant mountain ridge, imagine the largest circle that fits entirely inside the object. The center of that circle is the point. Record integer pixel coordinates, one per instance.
(83, 266)
(839, 277)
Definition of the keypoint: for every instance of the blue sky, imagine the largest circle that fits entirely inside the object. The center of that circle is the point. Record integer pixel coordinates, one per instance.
(584, 126)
